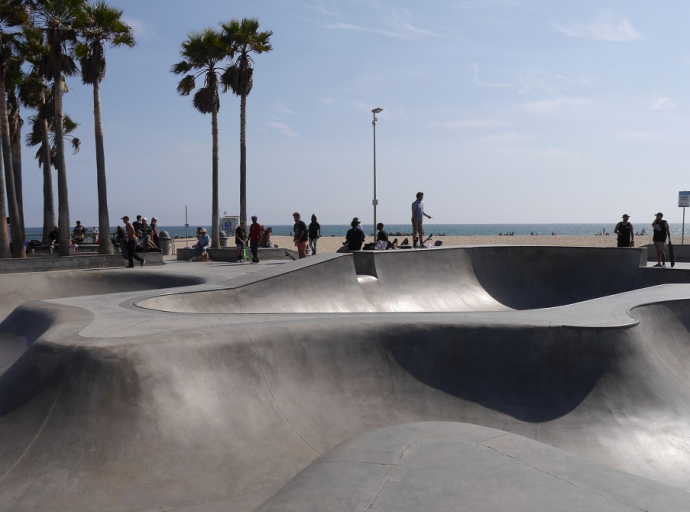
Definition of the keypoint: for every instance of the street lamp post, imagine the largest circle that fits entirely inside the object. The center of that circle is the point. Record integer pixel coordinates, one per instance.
(375, 202)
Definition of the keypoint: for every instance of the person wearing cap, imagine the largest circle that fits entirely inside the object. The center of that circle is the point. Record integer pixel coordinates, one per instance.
(301, 238)
(131, 235)
(417, 218)
(625, 232)
(256, 233)
(661, 231)
(202, 244)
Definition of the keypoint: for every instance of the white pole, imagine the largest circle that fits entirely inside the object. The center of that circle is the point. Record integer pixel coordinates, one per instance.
(682, 235)
(186, 223)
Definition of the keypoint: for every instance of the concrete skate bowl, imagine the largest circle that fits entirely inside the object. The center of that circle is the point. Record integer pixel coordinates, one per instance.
(16, 289)
(457, 279)
(221, 418)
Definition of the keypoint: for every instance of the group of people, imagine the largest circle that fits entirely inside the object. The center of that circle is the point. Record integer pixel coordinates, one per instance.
(660, 233)
(137, 236)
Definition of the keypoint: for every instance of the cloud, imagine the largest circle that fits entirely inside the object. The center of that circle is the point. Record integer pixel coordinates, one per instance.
(142, 29)
(386, 21)
(605, 28)
(327, 101)
(282, 128)
(283, 109)
(469, 123)
(662, 103)
(487, 4)
(554, 104)
(476, 81)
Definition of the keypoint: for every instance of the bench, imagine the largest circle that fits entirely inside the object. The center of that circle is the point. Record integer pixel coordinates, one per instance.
(229, 254)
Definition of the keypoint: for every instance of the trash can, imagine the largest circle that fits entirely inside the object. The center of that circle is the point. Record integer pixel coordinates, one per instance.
(223, 238)
(166, 245)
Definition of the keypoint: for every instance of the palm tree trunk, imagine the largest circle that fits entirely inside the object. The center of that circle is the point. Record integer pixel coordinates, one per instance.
(215, 235)
(12, 206)
(63, 196)
(243, 158)
(105, 245)
(4, 240)
(48, 200)
(17, 168)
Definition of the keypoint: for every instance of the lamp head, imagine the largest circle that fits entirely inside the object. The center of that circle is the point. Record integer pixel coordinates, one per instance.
(377, 110)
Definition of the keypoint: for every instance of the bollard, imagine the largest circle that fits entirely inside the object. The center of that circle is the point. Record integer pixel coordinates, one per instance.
(166, 245)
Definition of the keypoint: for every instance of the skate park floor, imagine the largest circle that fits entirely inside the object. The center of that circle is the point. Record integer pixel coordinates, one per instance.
(481, 378)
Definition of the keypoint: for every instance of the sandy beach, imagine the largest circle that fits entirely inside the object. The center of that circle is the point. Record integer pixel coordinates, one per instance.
(332, 244)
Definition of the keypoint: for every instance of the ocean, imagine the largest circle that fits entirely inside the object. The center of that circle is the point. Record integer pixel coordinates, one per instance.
(339, 230)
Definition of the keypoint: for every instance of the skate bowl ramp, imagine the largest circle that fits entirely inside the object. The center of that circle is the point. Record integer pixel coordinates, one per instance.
(491, 278)
(16, 289)
(221, 418)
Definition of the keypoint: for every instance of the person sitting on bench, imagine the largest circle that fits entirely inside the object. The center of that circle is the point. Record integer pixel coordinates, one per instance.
(79, 233)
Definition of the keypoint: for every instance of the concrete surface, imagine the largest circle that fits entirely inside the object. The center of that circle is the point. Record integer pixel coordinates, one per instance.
(108, 405)
(229, 254)
(450, 466)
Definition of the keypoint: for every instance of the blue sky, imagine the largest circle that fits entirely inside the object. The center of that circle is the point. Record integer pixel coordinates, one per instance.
(499, 110)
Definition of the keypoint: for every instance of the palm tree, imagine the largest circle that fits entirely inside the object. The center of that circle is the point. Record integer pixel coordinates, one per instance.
(104, 25)
(242, 39)
(201, 53)
(14, 77)
(35, 94)
(12, 13)
(35, 138)
(58, 19)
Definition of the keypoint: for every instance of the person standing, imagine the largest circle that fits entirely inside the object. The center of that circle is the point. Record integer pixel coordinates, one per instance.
(301, 235)
(132, 244)
(381, 236)
(154, 231)
(418, 215)
(625, 232)
(661, 231)
(256, 234)
(314, 233)
(241, 240)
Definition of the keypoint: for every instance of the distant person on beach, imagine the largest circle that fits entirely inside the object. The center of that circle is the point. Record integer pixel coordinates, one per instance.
(154, 231)
(256, 233)
(79, 233)
(54, 235)
(354, 237)
(314, 233)
(137, 224)
(624, 230)
(418, 215)
(661, 231)
(202, 244)
(266, 240)
(301, 237)
(240, 240)
(132, 244)
(381, 236)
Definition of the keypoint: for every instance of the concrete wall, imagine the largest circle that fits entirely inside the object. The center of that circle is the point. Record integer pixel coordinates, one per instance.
(71, 262)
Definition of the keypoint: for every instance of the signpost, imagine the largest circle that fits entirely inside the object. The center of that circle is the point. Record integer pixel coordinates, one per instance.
(683, 202)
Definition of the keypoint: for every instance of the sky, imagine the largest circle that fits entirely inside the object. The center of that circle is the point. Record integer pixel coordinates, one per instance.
(500, 111)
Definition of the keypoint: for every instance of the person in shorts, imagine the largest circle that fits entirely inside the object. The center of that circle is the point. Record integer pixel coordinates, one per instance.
(240, 240)
(301, 238)
(661, 231)
(417, 218)
(625, 232)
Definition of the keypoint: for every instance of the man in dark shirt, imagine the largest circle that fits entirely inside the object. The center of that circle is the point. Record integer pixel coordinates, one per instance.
(240, 240)
(382, 235)
(661, 232)
(354, 236)
(301, 238)
(314, 233)
(137, 224)
(79, 233)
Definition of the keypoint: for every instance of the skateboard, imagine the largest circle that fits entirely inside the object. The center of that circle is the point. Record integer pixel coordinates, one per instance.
(671, 256)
